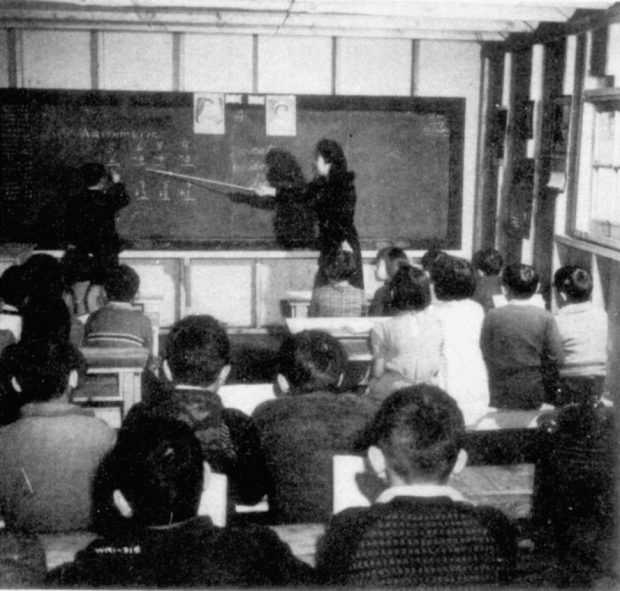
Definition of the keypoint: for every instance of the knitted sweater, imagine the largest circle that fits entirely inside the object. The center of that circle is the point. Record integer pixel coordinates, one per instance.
(412, 541)
(300, 435)
(118, 324)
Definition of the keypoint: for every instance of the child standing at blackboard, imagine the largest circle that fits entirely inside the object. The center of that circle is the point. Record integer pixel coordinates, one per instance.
(93, 243)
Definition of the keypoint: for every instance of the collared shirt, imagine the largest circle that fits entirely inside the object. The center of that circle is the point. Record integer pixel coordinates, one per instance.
(422, 490)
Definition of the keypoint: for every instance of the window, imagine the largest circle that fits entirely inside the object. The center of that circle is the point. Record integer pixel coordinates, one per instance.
(598, 196)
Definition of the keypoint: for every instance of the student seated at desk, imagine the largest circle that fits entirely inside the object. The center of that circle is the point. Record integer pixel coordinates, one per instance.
(196, 363)
(521, 345)
(306, 425)
(49, 456)
(409, 347)
(583, 329)
(388, 261)
(337, 297)
(156, 471)
(46, 312)
(420, 531)
(461, 320)
(118, 323)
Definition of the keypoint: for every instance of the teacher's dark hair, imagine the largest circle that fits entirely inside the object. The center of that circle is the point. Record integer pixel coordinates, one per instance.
(333, 154)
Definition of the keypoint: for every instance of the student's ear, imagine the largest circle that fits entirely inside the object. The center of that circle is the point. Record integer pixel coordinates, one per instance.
(122, 504)
(461, 461)
(377, 460)
(16, 385)
(73, 379)
(166, 369)
(222, 376)
(282, 386)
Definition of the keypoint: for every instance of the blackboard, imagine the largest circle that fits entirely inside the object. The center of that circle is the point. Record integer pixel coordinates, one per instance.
(407, 154)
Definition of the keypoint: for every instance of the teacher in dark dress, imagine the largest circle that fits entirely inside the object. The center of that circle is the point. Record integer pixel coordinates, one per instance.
(332, 196)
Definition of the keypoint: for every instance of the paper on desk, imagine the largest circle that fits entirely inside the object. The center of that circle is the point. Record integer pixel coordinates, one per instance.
(346, 491)
(214, 496)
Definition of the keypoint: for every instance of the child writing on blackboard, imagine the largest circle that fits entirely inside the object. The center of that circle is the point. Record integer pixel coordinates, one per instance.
(93, 243)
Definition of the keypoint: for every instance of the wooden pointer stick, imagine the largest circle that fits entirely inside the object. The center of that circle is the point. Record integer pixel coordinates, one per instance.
(198, 179)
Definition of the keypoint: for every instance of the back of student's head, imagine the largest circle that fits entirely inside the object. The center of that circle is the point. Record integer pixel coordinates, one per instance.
(430, 256)
(394, 257)
(197, 348)
(453, 278)
(489, 261)
(575, 282)
(157, 464)
(46, 320)
(339, 266)
(410, 289)
(43, 277)
(93, 173)
(311, 361)
(121, 284)
(420, 431)
(42, 368)
(521, 280)
(12, 286)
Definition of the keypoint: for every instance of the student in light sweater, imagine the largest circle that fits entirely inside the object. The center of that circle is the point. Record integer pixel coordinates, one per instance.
(583, 328)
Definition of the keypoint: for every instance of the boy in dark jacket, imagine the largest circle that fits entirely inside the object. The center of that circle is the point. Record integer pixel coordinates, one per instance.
(156, 469)
(196, 363)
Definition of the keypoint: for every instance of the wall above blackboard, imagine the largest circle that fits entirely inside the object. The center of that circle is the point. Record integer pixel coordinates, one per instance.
(407, 154)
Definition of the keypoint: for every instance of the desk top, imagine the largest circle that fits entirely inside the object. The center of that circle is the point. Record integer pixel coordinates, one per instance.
(62, 547)
(506, 487)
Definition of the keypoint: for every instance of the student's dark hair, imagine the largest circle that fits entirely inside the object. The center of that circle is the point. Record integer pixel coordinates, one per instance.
(392, 253)
(420, 430)
(333, 154)
(197, 348)
(430, 256)
(121, 283)
(157, 464)
(12, 286)
(339, 266)
(43, 277)
(575, 282)
(42, 368)
(453, 278)
(409, 289)
(283, 169)
(489, 261)
(46, 320)
(93, 173)
(311, 360)
(522, 280)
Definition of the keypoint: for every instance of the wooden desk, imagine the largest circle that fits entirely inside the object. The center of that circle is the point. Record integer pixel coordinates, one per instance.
(62, 547)
(125, 364)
